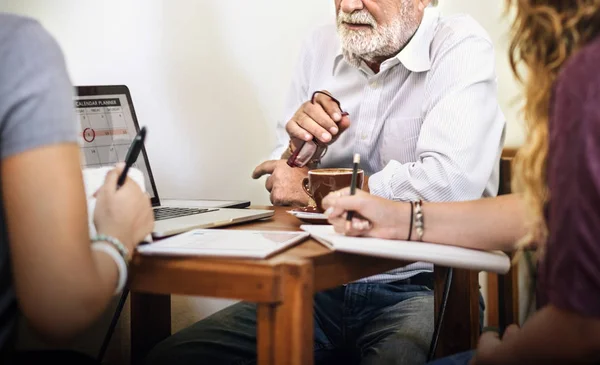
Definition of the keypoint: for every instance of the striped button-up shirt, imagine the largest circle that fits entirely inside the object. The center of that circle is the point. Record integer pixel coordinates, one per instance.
(427, 126)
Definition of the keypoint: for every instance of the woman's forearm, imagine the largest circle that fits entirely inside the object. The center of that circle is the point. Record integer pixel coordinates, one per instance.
(81, 304)
(489, 224)
(62, 286)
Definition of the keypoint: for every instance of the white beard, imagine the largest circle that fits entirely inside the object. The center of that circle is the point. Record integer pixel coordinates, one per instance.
(377, 41)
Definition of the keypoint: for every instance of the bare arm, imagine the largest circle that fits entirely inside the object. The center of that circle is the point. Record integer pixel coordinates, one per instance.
(489, 224)
(62, 286)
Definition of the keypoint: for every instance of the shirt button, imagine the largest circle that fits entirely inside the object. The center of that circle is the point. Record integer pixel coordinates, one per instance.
(364, 136)
(374, 84)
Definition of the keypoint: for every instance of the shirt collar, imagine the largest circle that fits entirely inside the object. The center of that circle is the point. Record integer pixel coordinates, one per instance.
(415, 55)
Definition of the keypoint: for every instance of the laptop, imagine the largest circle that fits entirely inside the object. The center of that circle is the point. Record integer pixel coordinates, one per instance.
(108, 125)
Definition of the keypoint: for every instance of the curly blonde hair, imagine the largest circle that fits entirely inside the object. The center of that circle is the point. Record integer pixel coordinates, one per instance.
(545, 33)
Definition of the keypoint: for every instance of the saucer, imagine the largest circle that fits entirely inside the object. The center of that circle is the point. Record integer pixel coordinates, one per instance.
(309, 214)
(308, 209)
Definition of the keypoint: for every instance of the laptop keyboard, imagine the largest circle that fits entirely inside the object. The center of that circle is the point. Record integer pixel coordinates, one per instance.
(161, 213)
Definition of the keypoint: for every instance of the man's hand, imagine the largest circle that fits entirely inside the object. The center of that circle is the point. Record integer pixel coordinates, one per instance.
(322, 120)
(284, 184)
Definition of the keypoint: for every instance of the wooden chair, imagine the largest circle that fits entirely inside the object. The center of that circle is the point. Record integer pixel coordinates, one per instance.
(460, 328)
(503, 290)
(462, 313)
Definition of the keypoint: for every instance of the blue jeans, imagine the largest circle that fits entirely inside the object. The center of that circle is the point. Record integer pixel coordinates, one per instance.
(360, 323)
(459, 359)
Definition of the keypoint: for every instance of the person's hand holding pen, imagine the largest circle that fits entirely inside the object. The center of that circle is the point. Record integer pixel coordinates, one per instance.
(124, 213)
(123, 210)
(372, 216)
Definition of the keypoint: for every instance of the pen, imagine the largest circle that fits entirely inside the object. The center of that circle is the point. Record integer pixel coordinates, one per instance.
(132, 155)
(353, 183)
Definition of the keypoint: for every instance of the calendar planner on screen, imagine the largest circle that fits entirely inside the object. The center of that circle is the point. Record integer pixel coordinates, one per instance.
(107, 129)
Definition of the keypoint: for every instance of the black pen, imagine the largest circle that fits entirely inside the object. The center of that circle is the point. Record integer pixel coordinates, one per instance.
(132, 155)
(353, 183)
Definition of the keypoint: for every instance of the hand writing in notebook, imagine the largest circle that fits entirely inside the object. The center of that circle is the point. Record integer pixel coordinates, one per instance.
(95, 179)
(125, 213)
(374, 216)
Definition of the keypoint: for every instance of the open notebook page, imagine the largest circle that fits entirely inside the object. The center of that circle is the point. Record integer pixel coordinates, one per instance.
(437, 254)
(225, 243)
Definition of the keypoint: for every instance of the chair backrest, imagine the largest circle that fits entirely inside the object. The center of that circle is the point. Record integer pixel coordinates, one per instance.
(505, 175)
(507, 286)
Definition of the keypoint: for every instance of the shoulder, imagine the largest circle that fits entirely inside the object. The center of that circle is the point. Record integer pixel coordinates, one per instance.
(460, 26)
(575, 107)
(459, 29)
(36, 106)
(25, 43)
(579, 75)
(576, 92)
(11, 22)
(20, 30)
(463, 49)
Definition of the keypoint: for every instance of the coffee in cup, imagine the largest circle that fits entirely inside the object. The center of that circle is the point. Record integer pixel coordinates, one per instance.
(321, 182)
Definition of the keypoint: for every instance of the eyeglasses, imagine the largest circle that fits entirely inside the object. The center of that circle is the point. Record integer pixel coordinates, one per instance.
(311, 151)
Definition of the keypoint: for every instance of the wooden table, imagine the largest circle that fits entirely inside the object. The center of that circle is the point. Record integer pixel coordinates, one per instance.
(282, 287)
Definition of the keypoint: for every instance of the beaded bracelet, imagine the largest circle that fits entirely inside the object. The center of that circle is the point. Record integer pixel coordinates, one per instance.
(418, 219)
(115, 242)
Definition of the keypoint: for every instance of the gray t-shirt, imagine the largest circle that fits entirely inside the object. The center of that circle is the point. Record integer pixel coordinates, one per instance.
(36, 109)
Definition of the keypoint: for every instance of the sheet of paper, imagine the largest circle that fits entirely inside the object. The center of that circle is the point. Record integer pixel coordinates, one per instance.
(437, 254)
(225, 243)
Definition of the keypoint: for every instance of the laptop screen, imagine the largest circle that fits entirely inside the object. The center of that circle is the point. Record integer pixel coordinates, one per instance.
(108, 125)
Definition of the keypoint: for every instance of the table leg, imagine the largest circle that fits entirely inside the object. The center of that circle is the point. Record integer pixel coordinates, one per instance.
(285, 329)
(460, 329)
(150, 323)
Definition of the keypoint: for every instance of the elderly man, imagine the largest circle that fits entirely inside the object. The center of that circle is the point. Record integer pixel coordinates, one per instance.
(420, 91)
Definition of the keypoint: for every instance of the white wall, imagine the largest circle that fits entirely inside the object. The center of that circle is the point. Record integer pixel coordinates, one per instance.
(208, 78)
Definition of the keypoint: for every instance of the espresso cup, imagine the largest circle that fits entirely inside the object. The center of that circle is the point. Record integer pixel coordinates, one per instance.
(321, 182)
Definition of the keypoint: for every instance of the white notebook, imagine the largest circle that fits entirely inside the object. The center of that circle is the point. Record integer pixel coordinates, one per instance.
(437, 254)
(225, 243)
